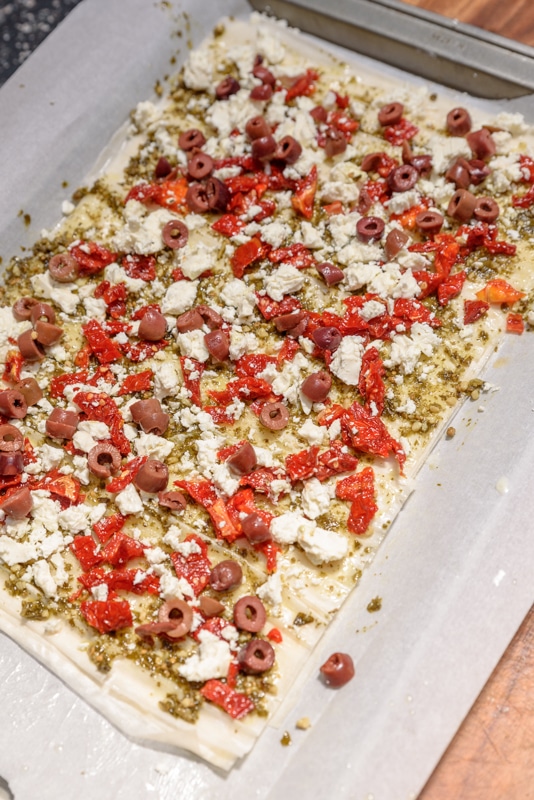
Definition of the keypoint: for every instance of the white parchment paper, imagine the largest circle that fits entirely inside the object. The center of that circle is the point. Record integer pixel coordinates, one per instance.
(454, 573)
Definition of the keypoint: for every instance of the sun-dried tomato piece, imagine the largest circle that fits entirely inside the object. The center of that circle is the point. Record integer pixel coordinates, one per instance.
(260, 480)
(235, 704)
(371, 381)
(169, 193)
(140, 351)
(107, 526)
(132, 580)
(192, 373)
(87, 552)
(298, 255)
(65, 488)
(334, 461)
(102, 408)
(222, 522)
(451, 287)
(107, 615)
(515, 324)
(196, 567)
(140, 382)
(304, 194)
(251, 364)
(101, 345)
(368, 434)
(247, 254)
(360, 489)
(114, 297)
(410, 310)
(248, 388)
(273, 308)
(92, 257)
(120, 549)
(128, 473)
(403, 131)
(228, 225)
(288, 351)
(202, 492)
(140, 267)
(301, 466)
(302, 85)
(473, 310)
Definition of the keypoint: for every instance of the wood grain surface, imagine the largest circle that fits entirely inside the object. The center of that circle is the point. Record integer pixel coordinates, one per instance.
(514, 19)
(492, 755)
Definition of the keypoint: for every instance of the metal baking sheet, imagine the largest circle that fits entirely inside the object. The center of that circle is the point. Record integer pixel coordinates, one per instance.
(453, 574)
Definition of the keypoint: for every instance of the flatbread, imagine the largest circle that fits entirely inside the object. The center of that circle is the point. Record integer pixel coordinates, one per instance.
(153, 688)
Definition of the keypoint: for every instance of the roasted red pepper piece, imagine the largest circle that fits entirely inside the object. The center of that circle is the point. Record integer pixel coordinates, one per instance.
(273, 308)
(196, 567)
(451, 287)
(410, 311)
(364, 432)
(101, 345)
(140, 351)
(247, 254)
(128, 473)
(228, 225)
(141, 267)
(220, 415)
(360, 489)
(92, 257)
(192, 373)
(298, 255)
(244, 388)
(107, 526)
(120, 549)
(515, 324)
(14, 362)
(334, 461)
(65, 488)
(114, 297)
(235, 704)
(301, 466)
(403, 131)
(127, 580)
(275, 635)
(202, 492)
(288, 351)
(169, 194)
(302, 85)
(270, 550)
(107, 615)
(58, 384)
(102, 408)
(371, 382)
(140, 382)
(222, 522)
(87, 552)
(304, 195)
(499, 291)
(473, 310)
(260, 480)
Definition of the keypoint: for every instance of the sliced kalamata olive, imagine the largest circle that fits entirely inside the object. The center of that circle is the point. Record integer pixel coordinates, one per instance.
(11, 439)
(256, 657)
(264, 75)
(217, 194)
(210, 317)
(226, 575)
(299, 328)
(403, 178)
(104, 460)
(47, 334)
(189, 321)
(327, 338)
(458, 122)
(264, 148)
(338, 670)
(150, 629)
(369, 229)
(243, 460)
(22, 308)
(141, 408)
(429, 222)
(423, 164)
(62, 424)
(11, 463)
(288, 150)
(255, 528)
(209, 606)
(175, 234)
(199, 166)
(390, 114)
(30, 348)
(371, 162)
(461, 205)
(249, 614)
(482, 144)
(335, 143)
(44, 312)
(30, 389)
(175, 501)
(163, 168)
(152, 477)
(316, 386)
(13, 404)
(19, 504)
(63, 268)
(191, 139)
(459, 173)
(153, 326)
(395, 241)
(196, 198)
(155, 423)
(226, 88)
(486, 209)
(478, 171)
(179, 613)
(257, 128)
(319, 114)
(330, 273)
(285, 322)
(262, 92)
(217, 344)
(274, 416)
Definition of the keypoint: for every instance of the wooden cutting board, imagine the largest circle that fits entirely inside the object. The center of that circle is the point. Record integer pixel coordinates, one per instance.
(492, 755)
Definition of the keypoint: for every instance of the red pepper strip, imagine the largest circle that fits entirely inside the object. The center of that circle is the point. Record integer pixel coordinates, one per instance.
(342, 122)
(141, 267)
(301, 466)
(334, 461)
(228, 225)
(140, 382)
(102, 408)
(140, 313)
(451, 287)
(247, 254)
(242, 502)
(243, 388)
(226, 452)
(499, 291)
(233, 672)
(222, 523)
(107, 526)
(374, 192)
(484, 235)
(140, 351)
(401, 132)
(447, 254)
(87, 552)
(250, 364)
(359, 488)
(288, 351)
(407, 218)
(14, 362)
(202, 492)
(473, 310)
(260, 480)
(298, 255)
(196, 567)
(302, 85)
(114, 297)
(331, 209)
(273, 308)
(63, 487)
(121, 580)
(120, 549)
(169, 193)
(235, 704)
(371, 382)
(58, 384)
(242, 184)
(192, 373)
(410, 310)
(101, 345)
(107, 615)
(275, 635)
(527, 168)
(91, 257)
(523, 200)
(82, 357)
(368, 434)
(128, 473)
(304, 196)
(270, 550)
(515, 324)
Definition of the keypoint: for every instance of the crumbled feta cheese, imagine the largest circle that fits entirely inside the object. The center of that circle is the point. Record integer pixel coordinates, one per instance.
(347, 360)
(211, 661)
(128, 501)
(284, 280)
(179, 297)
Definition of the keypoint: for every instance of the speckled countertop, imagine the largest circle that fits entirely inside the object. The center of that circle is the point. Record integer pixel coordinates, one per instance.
(23, 26)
